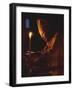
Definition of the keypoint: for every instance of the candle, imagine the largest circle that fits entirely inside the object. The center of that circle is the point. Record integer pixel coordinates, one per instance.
(30, 36)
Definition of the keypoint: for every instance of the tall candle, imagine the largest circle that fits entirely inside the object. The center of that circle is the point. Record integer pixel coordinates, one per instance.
(30, 37)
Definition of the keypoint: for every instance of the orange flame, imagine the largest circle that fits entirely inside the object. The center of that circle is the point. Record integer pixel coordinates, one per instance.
(30, 34)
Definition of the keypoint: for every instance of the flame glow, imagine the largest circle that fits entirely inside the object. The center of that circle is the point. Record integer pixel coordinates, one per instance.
(30, 34)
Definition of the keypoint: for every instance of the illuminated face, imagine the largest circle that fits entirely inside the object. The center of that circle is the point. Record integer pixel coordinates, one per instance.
(41, 31)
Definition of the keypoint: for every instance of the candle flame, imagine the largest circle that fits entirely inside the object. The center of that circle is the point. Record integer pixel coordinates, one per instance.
(30, 34)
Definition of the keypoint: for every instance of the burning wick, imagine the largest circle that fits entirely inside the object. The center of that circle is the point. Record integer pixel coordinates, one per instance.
(30, 36)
